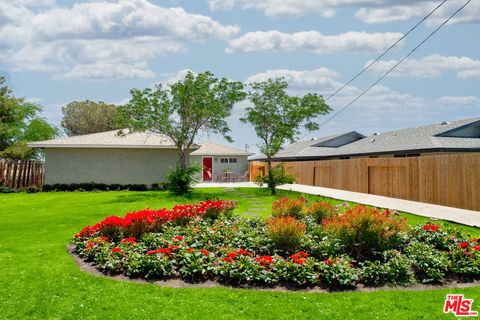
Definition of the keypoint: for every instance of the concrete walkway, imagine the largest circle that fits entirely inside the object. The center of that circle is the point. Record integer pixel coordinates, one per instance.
(463, 216)
(227, 185)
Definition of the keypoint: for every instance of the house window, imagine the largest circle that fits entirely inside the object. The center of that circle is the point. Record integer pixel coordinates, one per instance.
(232, 160)
(223, 160)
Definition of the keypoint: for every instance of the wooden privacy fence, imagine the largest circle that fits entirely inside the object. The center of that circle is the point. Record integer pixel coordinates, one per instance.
(21, 173)
(450, 180)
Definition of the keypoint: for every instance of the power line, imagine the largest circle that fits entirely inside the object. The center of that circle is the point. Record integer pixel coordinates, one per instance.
(386, 51)
(397, 64)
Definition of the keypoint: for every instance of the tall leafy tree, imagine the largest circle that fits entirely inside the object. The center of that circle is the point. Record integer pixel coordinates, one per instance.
(277, 117)
(84, 117)
(199, 103)
(20, 122)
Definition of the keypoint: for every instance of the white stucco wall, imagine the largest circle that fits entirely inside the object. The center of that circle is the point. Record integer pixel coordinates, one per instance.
(238, 168)
(109, 166)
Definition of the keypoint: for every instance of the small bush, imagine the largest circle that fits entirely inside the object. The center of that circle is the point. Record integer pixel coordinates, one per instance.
(276, 177)
(181, 181)
(429, 264)
(338, 273)
(6, 190)
(92, 186)
(465, 259)
(285, 232)
(224, 208)
(298, 269)
(394, 271)
(365, 232)
(319, 211)
(289, 207)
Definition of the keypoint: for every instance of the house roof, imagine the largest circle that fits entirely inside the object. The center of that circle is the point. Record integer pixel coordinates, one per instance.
(434, 137)
(213, 149)
(109, 139)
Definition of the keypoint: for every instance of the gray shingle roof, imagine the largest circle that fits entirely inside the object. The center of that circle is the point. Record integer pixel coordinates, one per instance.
(109, 139)
(408, 140)
(213, 149)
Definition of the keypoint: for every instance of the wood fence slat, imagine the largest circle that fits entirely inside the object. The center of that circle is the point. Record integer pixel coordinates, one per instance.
(447, 179)
(18, 174)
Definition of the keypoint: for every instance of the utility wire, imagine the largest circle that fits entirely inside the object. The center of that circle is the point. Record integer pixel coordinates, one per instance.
(397, 64)
(386, 51)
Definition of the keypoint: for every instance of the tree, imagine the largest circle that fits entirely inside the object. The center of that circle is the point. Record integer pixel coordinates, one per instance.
(277, 117)
(184, 109)
(20, 122)
(84, 117)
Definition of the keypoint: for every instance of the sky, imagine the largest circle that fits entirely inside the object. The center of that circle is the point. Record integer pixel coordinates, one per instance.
(57, 51)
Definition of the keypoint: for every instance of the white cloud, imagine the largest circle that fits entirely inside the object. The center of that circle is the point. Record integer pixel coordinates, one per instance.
(102, 70)
(351, 42)
(368, 11)
(400, 12)
(431, 66)
(321, 78)
(381, 108)
(217, 5)
(122, 34)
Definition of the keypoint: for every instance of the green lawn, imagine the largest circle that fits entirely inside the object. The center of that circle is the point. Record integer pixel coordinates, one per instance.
(38, 279)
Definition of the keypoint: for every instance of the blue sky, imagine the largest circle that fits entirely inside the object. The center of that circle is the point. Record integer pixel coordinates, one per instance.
(54, 52)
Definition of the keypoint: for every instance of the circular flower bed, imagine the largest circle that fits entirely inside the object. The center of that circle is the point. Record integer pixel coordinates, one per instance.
(301, 244)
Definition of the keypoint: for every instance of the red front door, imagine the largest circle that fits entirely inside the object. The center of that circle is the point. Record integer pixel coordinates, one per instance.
(207, 169)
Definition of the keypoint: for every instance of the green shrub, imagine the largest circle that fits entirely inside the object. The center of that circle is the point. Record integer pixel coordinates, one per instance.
(276, 177)
(92, 186)
(433, 235)
(285, 232)
(289, 207)
(298, 269)
(428, 263)
(6, 190)
(181, 181)
(465, 259)
(366, 232)
(395, 270)
(338, 273)
(319, 211)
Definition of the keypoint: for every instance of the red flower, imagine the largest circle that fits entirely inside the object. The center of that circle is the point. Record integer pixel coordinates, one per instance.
(264, 260)
(104, 238)
(190, 250)
(232, 255)
(387, 212)
(89, 245)
(329, 261)
(464, 245)
(178, 238)
(431, 227)
(164, 251)
(205, 252)
(477, 247)
(116, 249)
(243, 252)
(173, 247)
(129, 240)
(228, 259)
(303, 254)
(299, 261)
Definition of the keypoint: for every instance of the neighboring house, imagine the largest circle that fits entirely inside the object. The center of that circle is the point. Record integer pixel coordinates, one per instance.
(218, 159)
(437, 163)
(106, 157)
(446, 137)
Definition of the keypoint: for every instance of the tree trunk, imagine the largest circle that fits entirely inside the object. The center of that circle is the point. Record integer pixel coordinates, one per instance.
(271, 180)
(183, 159)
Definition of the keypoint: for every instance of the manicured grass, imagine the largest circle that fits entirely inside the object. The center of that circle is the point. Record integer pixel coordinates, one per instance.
(38, 279)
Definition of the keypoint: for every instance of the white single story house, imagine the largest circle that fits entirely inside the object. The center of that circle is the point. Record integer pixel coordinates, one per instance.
(221, 163)
(137, 158)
